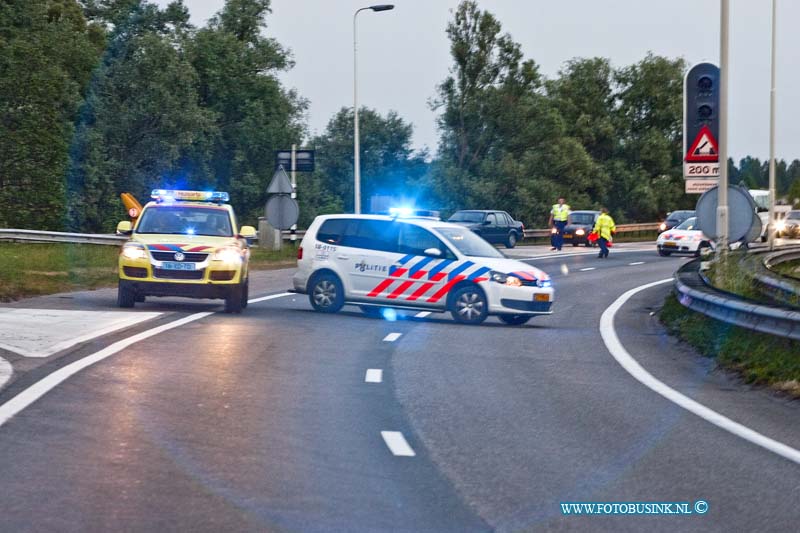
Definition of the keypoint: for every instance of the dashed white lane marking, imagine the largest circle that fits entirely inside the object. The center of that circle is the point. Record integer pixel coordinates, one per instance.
(587, 269)
(374, 375)
(397, 443)
(270, 297)
(635, 369)
(43, 332)
(5, 372)
(391, 337)
(636, 263)
(42, 387)
(422, 314)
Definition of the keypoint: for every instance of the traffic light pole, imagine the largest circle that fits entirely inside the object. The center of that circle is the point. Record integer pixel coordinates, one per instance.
(722, 207)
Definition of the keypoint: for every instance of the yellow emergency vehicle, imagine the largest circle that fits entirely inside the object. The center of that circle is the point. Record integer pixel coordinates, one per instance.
(185, 243)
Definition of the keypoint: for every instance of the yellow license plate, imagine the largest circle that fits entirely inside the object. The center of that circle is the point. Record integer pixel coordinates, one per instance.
(541, 297)
(568, 235)
(671, 244)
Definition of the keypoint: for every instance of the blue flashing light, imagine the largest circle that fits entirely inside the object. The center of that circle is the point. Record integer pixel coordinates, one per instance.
(164, 195)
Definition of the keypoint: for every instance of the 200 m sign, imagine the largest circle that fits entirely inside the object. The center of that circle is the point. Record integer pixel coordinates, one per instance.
(701, 170)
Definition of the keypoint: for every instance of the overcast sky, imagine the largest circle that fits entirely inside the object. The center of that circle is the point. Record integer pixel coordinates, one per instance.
(404, 53)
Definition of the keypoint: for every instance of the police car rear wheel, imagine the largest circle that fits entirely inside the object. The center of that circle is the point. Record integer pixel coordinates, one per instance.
(469, 306)
(514, 320)
(327, 294)
(126, 295)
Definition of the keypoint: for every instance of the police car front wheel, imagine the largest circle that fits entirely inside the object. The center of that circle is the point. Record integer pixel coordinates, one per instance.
(469, 305)
(326, 294)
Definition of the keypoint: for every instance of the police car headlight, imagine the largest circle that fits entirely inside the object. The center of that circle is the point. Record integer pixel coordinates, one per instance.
(133, 251)
(505, 279)
(228, 255)
(544, 283)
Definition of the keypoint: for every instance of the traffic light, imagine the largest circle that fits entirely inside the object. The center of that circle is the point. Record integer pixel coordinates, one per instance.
(700, 103)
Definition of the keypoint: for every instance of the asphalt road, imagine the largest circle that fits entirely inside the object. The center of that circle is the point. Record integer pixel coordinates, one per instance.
(265, 421)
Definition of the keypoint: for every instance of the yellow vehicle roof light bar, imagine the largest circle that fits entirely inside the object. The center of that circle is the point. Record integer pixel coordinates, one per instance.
(167, 195)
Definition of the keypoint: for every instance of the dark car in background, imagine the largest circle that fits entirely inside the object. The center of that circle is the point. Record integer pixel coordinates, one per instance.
(496, 227)
(674, 218)
(579, 226)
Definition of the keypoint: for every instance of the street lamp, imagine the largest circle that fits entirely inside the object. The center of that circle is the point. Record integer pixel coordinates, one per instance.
(357, 158)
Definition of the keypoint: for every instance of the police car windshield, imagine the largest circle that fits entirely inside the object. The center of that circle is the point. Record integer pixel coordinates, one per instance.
(186, 220)
(467, 216)
(688, 224)
(468, 243)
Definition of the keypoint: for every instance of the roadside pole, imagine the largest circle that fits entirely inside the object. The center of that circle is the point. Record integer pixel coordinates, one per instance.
(771, 223)
(722, 207)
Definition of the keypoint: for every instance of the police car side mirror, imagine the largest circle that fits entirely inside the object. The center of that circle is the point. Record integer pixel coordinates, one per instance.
(124, 228)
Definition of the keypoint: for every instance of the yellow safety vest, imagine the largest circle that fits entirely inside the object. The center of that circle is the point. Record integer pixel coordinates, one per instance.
(604, 226)
(560, 212)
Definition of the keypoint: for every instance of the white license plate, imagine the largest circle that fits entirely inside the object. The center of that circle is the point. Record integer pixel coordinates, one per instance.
(175, 265)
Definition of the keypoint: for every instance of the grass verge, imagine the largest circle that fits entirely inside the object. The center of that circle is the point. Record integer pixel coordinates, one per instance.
(36, 269)
(759, 358)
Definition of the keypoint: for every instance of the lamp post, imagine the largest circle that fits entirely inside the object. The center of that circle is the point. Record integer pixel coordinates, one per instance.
(356, 155)
(771, 223)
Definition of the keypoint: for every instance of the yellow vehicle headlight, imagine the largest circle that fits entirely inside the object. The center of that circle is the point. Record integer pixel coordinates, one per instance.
(133, 251)
(228, 255)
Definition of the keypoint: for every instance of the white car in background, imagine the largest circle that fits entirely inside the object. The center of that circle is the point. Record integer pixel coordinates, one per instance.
(683, 239)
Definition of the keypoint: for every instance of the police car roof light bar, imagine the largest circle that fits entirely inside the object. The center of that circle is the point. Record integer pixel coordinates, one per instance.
(165, 195)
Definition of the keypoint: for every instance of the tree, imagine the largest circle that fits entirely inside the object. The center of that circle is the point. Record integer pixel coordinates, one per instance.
(503, 142)
(388, 164)
(48, 53)
(141, 121)
(254, 114)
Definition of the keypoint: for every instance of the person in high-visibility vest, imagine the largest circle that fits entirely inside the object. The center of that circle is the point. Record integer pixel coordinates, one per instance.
(605, 229)
(558, 221)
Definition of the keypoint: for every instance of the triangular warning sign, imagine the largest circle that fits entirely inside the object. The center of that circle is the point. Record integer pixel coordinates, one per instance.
(280, 183)
(704, 148)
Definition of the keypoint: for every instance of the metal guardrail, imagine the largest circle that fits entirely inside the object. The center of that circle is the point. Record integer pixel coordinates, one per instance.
(26, 235)
(698, 296)
(29, 235)
(621, 228)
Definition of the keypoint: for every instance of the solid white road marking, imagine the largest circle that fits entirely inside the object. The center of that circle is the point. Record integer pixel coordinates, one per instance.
(270, 297)
(391, 337)
(643, 376)
(374, 375)
(636, 263)
(397, 443)
(42, 387)
(422, 314)
(575, 254)
(587, 269)
(28, 396)
(43, 332)
(5, 372)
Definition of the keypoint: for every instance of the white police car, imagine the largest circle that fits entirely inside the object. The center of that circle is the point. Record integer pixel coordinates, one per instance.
(415, 263)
